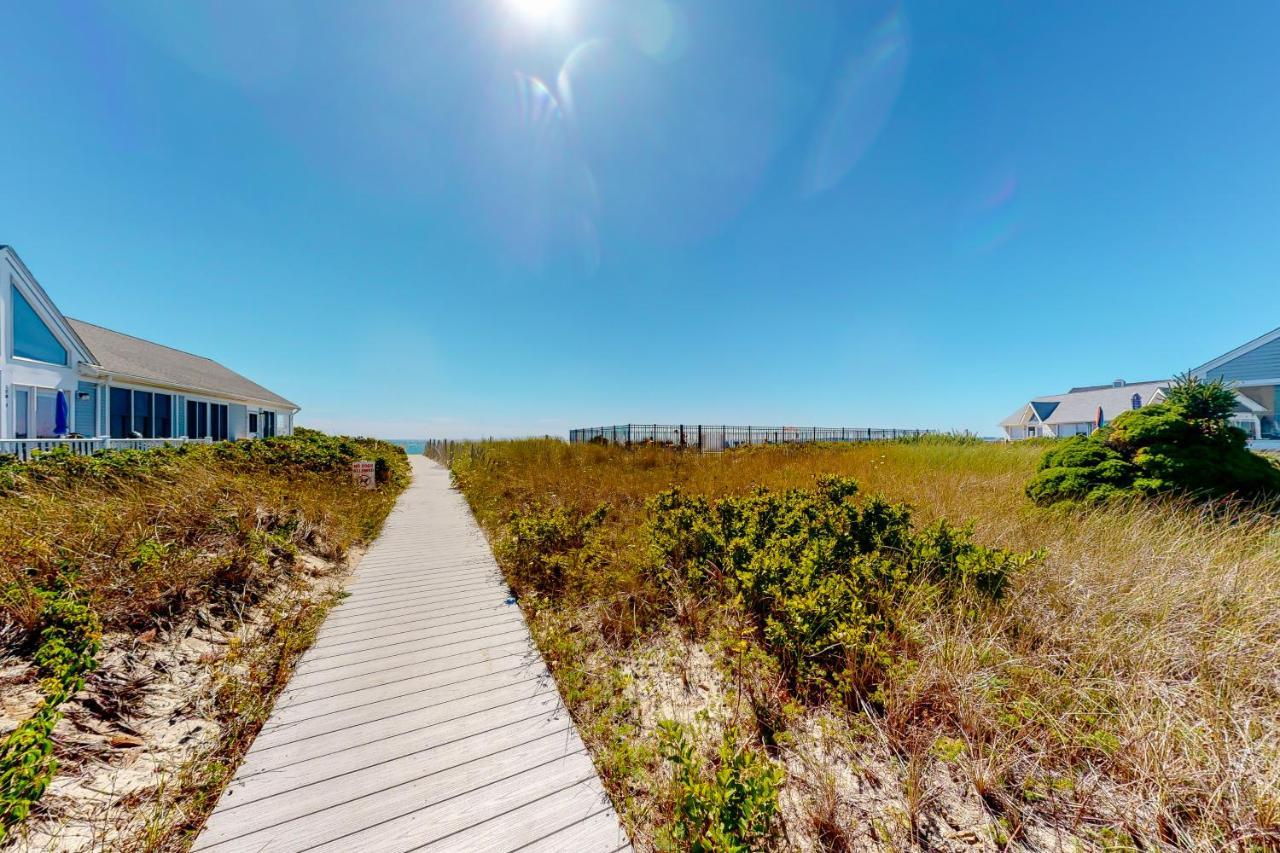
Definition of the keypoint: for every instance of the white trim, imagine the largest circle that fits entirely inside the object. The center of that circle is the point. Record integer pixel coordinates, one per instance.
(1203, 369)
(41, 303)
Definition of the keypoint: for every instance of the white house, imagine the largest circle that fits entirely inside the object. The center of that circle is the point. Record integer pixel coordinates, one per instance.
(1252, 370)
(113, 385)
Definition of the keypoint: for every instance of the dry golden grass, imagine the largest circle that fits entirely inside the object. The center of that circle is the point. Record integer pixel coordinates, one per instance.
(1126, 691)
(161, 543)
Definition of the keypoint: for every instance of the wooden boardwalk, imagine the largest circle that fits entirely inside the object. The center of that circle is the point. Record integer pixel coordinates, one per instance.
(423, 717)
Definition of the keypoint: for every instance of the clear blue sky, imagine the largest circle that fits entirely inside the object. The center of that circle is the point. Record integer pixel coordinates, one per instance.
(514, 216)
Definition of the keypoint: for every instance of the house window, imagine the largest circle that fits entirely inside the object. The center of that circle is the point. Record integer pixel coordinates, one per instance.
(1136, 401)
(268, 424)
(163, 413)
(253, 423)
(21, 415)
(35, 412)
(142, 423)
(207, 420)
(31, 337)
(121, 413)
(46, 412)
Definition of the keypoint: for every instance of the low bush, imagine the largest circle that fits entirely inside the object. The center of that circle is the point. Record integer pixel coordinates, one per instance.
(543, 545)
(1184, 444)
(822, 573)
(69, 640)
(725, 806)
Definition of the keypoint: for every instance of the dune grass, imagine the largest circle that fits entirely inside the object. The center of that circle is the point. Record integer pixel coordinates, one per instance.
(149, 542)
(1124, 691)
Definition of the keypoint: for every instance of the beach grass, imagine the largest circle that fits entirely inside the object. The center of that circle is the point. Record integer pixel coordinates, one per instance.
(1123, 692)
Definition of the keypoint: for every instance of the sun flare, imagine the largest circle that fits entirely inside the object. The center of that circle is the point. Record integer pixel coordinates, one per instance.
(540, 12)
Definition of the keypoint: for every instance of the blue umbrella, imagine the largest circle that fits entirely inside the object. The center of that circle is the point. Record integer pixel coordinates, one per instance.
(60, 415)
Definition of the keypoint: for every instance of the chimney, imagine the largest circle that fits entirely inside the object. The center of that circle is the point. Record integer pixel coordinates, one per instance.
(1117, 383)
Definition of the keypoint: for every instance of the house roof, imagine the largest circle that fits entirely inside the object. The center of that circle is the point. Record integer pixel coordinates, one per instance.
(1252, 345)
(1080, 405)
(133, 357)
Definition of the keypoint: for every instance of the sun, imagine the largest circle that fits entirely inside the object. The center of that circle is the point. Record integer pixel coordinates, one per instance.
(540, 12)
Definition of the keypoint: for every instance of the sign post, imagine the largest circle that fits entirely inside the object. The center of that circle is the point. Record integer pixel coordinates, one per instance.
(364, 474)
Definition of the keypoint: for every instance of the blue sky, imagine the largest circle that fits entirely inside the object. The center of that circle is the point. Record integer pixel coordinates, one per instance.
(516, 216)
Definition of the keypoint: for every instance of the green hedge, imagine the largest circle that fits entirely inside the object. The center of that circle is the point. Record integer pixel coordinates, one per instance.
(1183, 445)
(305, 450)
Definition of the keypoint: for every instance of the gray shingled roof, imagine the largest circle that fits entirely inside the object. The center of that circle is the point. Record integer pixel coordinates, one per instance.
(130, 356)
(1080, 405)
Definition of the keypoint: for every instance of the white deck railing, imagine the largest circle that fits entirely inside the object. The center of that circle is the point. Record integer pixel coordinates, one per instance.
(24, 447)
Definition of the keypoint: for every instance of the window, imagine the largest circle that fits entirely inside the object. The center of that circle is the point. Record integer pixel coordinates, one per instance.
(253, 423)
(1136, 401)
(142, 422)
(31, 337)
(268, 424)
(205, 420)
(46, 412)
(218, 421)
(121, 413)
(163, 414)
(21, 403)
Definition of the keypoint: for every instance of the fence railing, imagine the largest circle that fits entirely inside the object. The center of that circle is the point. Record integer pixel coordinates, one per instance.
(23, 448)
(717, 437)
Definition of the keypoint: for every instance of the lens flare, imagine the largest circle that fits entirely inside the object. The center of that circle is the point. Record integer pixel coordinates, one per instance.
(861, 104)
(540, 12)
(993, 218)
(538, 106)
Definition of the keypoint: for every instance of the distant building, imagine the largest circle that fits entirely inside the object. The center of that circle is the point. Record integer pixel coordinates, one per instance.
(1252, 370)
(113, 385)
(1076, 412)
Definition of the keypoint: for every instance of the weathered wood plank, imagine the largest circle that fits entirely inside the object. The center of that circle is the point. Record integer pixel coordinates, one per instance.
(422, 718)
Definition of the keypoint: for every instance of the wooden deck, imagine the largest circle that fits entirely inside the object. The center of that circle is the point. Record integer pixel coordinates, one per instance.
(423, 718)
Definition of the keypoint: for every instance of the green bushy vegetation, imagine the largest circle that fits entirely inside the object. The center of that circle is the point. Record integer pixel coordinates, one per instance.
(725, 806)
(1184, 444)
(69, 641)
(125, 542)
(822, 573)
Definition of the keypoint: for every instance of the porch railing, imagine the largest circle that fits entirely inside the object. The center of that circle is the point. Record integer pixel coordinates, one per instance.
(23, 448)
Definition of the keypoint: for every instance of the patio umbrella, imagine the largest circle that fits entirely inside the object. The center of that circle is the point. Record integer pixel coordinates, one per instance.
(60, 415)
(1099, 423)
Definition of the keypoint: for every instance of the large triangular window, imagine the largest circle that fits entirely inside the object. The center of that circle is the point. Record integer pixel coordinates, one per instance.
(31, 337)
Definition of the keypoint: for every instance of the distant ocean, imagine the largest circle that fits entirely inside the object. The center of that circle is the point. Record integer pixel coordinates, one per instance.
(411, 446)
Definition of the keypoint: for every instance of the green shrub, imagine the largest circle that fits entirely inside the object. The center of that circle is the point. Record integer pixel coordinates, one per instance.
(1184, 444)
(69, 643)
(543, 546)
(727, 807)
(822, 573)
(306, 449)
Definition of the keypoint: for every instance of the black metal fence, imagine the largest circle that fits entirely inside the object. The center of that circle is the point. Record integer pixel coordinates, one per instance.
(718, 437)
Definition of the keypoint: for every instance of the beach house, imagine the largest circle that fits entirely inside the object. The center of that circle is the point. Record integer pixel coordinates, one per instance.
(1252, 370)
(72, 382)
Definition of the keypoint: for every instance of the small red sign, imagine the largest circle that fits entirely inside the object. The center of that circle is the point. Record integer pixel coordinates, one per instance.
(364, 474)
